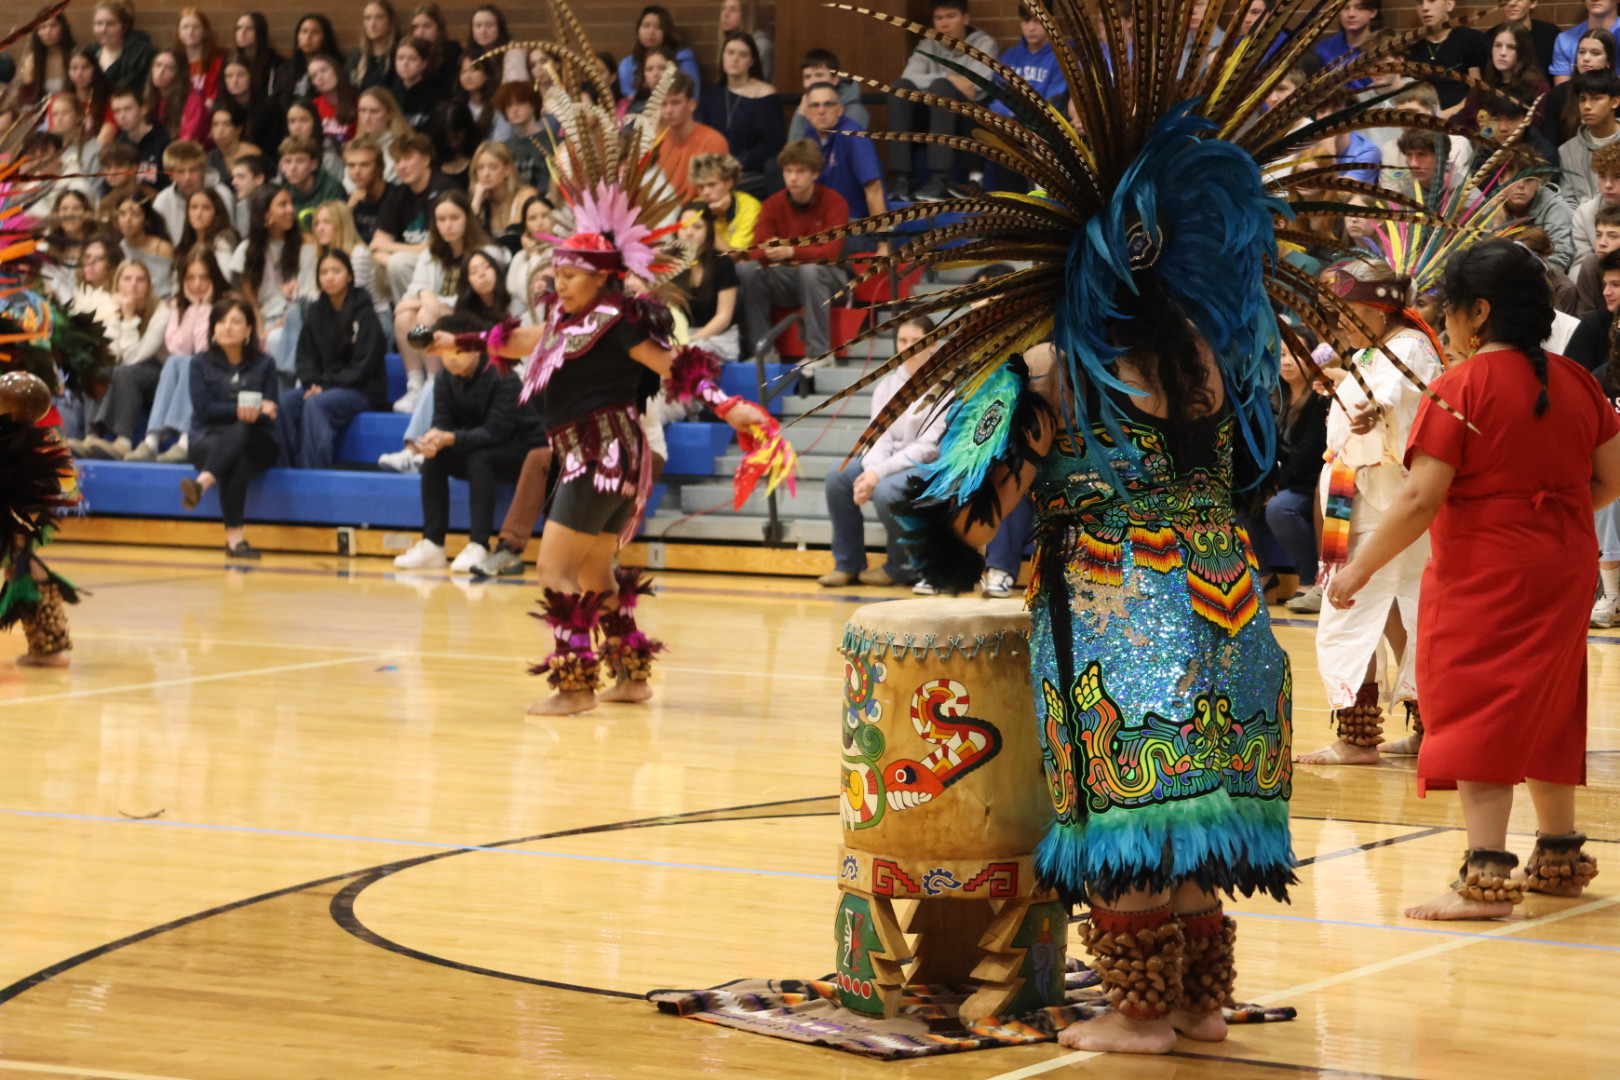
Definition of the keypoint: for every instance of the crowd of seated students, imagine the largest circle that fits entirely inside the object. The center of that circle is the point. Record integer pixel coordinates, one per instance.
(332, 198)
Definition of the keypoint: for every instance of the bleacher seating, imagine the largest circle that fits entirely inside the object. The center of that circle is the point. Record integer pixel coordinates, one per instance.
(702, 458)
(283, 496)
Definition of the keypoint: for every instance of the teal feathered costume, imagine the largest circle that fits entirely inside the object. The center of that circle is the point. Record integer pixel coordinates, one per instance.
(1163, 702)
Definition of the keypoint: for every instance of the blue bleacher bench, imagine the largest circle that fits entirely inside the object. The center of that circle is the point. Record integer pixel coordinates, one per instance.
(742, 379)
(694, 446)
(292, 496)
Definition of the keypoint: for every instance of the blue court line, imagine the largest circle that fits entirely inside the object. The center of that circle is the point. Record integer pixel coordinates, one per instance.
(723, 869)
(416, 843)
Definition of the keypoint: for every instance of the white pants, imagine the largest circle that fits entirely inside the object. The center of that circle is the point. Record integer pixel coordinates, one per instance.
(1347, 638)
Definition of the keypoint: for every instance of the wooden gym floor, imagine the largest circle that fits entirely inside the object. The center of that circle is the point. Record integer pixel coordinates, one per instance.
(288, 821)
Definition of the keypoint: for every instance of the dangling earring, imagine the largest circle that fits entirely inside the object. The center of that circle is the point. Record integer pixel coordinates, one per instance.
(1473, 344)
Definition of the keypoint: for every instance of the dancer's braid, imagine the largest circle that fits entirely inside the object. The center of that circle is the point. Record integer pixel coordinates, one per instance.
(1538, 362)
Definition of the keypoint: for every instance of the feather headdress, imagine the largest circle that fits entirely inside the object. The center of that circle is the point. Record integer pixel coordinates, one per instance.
(1419, 250)
(1173, 165)
(624, 209)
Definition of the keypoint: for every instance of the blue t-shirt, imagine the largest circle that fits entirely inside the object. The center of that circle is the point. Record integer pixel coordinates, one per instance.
(1336, 50)
(849, 163)
(1563, 61)
(1039, 69)
(1362, 151)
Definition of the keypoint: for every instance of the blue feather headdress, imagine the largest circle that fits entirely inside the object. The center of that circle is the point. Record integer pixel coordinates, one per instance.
(1208, 243)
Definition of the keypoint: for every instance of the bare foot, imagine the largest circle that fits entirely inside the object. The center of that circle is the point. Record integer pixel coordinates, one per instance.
(1119, 1034)
(564, 703)
(1341, 753)
(1204, 1027)
(627, 690)
(1407, 747)
(54, 660)
(1448, 905)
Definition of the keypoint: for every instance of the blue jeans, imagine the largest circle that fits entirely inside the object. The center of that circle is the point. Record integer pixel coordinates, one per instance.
(1006, 550)
(1288, 517)
(73, 419)
(171, 405)
(849, 526)
(421, 416)
(310, 430)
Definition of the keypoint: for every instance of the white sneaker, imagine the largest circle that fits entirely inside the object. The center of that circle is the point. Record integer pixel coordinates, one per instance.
(922, 588)
(1308, 602)
(997, 583)
(401, 461)
(1603, 612)
(426, 555)
(470, 556)
(407, 404)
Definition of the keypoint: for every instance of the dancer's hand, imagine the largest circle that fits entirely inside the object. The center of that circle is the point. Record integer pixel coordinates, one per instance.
(1363, 416)
(865, 484)
(745, 414)
(1346, 582)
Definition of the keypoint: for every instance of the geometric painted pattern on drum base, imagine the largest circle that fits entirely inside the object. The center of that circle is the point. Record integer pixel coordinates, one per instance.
(906, 878)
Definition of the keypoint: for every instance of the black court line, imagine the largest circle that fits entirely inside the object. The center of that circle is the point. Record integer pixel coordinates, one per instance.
(1434, 830)
(445, 577)
(341, 909)
(45, 974)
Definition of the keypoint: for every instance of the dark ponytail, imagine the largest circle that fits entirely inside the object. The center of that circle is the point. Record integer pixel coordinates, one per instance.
(1513, 280)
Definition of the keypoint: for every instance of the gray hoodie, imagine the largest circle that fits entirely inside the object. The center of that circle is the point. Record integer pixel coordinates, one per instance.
(1576, 158)
(924, 66)
(1552, 212)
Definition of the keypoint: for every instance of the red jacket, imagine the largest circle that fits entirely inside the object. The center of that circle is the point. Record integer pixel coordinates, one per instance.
(780, 218)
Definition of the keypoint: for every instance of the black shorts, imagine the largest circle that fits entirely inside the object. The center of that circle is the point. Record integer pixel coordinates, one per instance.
(580, 506)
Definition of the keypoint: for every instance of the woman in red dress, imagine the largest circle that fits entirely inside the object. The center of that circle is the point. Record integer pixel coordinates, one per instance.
(1502, 653)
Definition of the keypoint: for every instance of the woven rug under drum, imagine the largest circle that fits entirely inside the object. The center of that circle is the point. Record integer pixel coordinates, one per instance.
(807, 1011)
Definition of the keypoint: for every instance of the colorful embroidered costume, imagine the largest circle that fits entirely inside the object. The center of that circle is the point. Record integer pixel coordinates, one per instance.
(592, 387)
(1163, 701)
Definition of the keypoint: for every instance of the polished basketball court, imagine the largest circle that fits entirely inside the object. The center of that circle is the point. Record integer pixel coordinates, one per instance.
(289, 821)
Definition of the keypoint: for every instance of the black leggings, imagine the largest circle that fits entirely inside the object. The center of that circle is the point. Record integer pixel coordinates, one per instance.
(235, 453)
(483, 469)
(913, 116)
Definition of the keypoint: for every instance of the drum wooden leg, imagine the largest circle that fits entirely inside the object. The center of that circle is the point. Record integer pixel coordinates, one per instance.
(949, 935)
(872, 953)
(1022, 965)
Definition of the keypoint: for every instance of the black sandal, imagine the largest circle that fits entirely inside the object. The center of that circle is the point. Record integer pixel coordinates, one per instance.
(243, 550)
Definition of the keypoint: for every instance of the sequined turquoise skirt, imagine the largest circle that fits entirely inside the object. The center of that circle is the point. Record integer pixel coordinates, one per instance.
(1165, 724)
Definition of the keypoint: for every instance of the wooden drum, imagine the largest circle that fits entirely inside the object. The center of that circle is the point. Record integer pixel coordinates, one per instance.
(943, 801)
